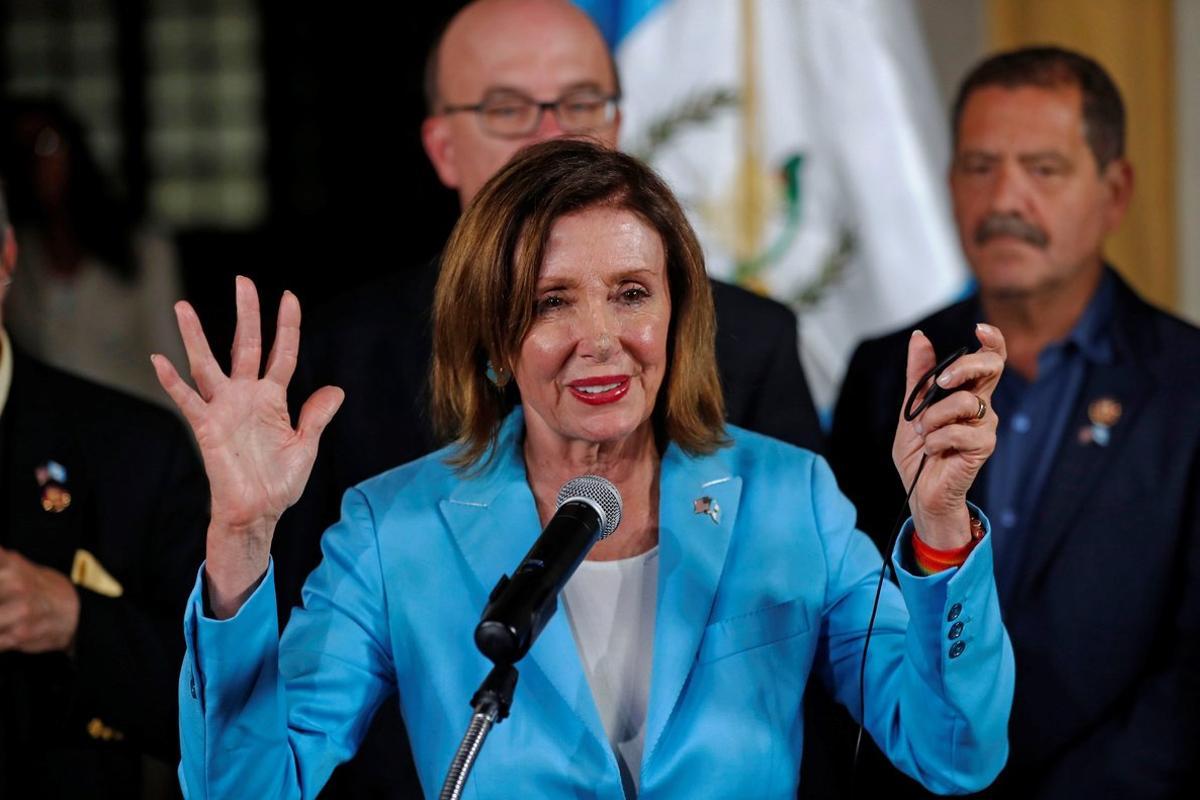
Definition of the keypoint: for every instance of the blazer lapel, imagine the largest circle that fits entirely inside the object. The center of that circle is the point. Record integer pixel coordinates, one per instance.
(1082, 461)
(35, 441)
(494, 521)
(698, 509)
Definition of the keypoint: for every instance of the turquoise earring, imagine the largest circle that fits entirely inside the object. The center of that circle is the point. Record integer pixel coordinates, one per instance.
(498, 376)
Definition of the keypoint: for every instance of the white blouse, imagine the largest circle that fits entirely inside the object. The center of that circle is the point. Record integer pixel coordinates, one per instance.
(611, 607)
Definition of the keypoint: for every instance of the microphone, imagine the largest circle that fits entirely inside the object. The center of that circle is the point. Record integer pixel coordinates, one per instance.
(589, 508)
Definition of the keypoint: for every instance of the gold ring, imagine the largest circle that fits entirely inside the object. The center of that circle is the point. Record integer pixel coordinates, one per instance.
(982, 412)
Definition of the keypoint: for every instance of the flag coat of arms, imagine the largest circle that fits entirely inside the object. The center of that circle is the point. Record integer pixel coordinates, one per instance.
(809, 146)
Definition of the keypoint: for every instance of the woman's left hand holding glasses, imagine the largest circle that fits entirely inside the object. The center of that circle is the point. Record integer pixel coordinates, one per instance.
(956, 435)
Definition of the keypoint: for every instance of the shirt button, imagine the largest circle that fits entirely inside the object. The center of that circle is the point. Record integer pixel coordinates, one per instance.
(957, 648)
(956, 630)
(955, 610)
(1021, 423)
(1008, 518)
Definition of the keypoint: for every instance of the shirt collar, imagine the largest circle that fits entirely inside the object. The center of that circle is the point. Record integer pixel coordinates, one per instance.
(1092, 334)
(6, 368)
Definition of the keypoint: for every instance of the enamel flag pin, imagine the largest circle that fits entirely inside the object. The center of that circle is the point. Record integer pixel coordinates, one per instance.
(1103, 414)
(706, 505)
(52, 478)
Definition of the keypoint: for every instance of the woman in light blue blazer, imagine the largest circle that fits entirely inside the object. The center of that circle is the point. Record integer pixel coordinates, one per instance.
(574, 334)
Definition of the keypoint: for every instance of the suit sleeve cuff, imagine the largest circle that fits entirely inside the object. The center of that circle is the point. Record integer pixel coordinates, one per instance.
(943, 605)
(229, 653)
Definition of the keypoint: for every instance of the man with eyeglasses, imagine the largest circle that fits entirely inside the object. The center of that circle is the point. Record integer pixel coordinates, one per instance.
(504, 74)
(508, 114)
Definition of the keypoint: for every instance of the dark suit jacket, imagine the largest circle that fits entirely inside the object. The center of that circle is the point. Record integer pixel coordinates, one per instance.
(139, 504)
(1105, 618)
(376, 344)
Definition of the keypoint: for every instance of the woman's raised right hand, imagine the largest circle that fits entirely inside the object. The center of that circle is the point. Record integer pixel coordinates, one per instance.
(256, 463)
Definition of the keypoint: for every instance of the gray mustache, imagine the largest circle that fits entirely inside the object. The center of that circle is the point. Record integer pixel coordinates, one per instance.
(1010, 225)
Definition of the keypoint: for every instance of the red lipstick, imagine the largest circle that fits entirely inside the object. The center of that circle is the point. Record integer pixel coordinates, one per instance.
(600, 390)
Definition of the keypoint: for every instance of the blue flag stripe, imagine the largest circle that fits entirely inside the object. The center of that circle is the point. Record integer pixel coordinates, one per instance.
(616, 18)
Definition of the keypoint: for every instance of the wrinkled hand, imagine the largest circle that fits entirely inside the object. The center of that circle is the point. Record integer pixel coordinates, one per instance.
(256, 463)
(950, 434)
(39, 608)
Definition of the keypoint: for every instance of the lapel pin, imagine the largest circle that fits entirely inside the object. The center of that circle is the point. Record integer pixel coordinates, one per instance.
(50, 471)
(1103, 413)
(52, 478)
(55, 499)
(706, 505)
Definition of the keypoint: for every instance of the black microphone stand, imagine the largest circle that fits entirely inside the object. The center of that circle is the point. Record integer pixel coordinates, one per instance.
(491, 703)
(518, 608)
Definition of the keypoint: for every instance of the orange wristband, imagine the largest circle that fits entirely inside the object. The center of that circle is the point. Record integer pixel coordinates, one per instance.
(931, 560)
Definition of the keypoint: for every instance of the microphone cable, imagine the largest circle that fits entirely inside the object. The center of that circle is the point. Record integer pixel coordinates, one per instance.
(862, 667)
(932, 395)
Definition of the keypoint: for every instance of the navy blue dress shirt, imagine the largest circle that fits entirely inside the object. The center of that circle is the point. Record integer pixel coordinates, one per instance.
(1033, 420)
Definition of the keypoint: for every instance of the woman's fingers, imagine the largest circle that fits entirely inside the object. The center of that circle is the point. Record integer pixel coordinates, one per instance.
(961, 406)
(281, 364)
(961, 438)
(991, 339)
(981, 369)
(921, 359)
(247, 337)
(204, 367)
(317, 411)
(190, 403)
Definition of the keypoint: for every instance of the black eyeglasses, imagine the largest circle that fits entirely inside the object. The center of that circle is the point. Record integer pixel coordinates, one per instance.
(512, 115)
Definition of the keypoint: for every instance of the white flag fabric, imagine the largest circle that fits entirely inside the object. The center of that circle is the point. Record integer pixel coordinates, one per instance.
(808, 143)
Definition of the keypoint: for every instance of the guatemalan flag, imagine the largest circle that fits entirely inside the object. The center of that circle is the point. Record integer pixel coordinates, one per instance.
(807, 141)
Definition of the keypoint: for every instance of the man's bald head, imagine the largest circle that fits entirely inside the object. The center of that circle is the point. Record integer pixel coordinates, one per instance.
(537, 48)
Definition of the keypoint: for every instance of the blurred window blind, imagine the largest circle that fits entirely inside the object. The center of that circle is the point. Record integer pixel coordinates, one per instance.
(204, 140)
(68, 49)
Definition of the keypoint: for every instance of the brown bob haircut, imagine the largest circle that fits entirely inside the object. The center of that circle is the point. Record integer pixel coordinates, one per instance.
(486, 294)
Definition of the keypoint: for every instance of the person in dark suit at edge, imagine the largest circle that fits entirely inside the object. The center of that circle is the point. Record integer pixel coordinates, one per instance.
(504, 74)
(103, 507)
(1095, 483)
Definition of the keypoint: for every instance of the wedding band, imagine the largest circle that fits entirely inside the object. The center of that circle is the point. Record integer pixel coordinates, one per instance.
(982, 412)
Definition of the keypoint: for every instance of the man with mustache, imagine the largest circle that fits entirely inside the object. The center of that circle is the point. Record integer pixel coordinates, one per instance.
(1095, 483)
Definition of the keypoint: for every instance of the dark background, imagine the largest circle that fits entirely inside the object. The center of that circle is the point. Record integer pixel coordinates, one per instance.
(350, 192)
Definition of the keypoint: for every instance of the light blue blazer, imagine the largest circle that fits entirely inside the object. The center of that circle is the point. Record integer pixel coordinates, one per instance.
(776, 588)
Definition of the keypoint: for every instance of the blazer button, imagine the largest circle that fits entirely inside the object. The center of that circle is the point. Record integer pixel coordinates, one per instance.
(955, 610)
(957, 648)
(956, 630)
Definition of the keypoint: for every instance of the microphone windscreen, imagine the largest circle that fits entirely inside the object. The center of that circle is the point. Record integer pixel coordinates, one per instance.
(597, 492)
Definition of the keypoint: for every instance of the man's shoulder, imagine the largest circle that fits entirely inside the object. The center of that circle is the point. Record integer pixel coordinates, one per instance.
(1163, 346)
(394, 299)
(102, 436)
(1158, 335)
(946, 328)
(373, 341)
(736, 304)
(84, 404)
